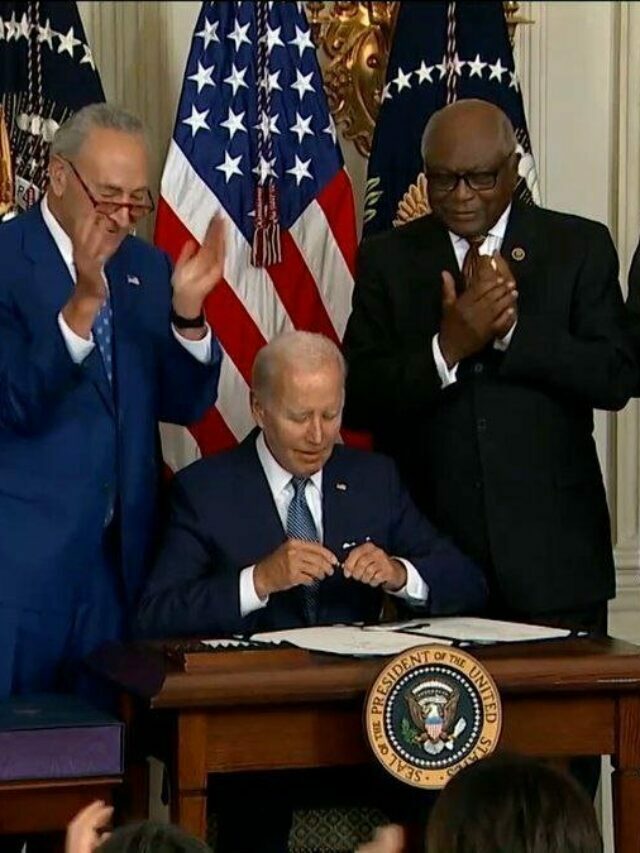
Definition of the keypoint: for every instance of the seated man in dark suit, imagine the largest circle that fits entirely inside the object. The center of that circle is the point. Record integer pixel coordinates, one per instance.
(291, 529)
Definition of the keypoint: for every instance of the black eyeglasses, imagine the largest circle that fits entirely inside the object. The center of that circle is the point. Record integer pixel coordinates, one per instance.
(447, 182)
(136, 210)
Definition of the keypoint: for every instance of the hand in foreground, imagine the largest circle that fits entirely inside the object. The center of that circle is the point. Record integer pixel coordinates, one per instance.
(387, 839)
(86, 831)
(294, 563)
(198, 270)
(370, 565)
(478, 315)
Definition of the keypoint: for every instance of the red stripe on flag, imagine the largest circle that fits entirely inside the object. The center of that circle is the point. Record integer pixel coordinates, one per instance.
(234, 327)
(170, 233)
(299, 292)
(336, 200)
(212, 433)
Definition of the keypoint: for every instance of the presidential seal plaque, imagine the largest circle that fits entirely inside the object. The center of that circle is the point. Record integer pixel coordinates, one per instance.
(431, 711)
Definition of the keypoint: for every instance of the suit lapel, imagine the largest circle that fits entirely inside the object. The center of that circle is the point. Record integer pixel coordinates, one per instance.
(55, 285)
(261, 526)
(435, 250)
(336, 498)
(520, 245)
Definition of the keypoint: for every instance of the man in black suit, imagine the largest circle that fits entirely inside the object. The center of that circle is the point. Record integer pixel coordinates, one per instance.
(482, 337)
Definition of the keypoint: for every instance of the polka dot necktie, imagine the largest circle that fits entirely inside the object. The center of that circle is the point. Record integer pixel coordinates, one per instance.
(102, 333)
(300, 525)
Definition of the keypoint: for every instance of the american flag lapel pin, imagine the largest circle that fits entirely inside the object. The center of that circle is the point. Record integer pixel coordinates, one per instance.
(341, 487)
(133, 279)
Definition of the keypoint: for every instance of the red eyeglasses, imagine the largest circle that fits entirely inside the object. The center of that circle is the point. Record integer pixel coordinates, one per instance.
(136, 210)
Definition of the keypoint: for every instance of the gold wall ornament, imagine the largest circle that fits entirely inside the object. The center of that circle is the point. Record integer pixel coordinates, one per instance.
(414, 203)
(355, 39)
(6, 170)
(511, 13)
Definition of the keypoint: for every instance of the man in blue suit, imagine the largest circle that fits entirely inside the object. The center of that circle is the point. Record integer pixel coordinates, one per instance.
(292, 529)
(98, 342)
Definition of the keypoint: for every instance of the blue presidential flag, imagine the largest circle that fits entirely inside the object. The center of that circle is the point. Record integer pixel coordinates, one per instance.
(441, 52)
(47, 72)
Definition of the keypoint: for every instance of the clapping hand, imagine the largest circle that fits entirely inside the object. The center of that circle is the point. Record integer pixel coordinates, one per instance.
(86, 832)
(198, 270)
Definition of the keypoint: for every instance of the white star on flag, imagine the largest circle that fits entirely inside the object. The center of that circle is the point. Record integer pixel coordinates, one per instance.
(46, 34)
(24, 27)
(300, 170)
(442, 67)
(402, 80)
(1, 29)
(236, 78)
(268, 124)
(302, 127)
(271, 84)
(476, 66)
(331, 130)
(386, 93)
(265, 168)
(197, 120)
(12, 27)
(68, 42)
(230, 166)
(457, 65)
(87, 59)
(202, 77)
(497, 71)
(239, 35)
(424, 72)
(234, 122)
(273, 38)
(302, 40)
(302, 83)
(209, 33)
(513, 84)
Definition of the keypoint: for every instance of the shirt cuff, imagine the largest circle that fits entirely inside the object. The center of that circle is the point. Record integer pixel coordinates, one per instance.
(502, 344)
(249, 598)
(415, 589)
(200, 350)
(77, 347)
(448, 375)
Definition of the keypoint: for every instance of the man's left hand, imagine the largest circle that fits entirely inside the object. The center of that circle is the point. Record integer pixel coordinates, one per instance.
(369, 564)
(504, 275)
(198, 270)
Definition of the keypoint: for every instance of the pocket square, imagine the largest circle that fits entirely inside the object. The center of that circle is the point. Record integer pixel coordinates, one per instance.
(133, 279)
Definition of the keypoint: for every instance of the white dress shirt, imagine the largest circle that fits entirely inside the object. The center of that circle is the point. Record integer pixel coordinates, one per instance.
(279, 480)
(492, 243)
(77, 346)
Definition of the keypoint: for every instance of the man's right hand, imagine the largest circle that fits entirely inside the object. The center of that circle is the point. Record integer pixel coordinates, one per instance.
(474, 318)
(294, 563)
(92, 248)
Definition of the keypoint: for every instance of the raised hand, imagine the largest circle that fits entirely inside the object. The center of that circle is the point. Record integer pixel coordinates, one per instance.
(86, 832)
(198, 270)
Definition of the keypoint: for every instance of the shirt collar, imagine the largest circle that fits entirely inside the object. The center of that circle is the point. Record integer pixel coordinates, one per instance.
(277, 476)
(60, 236)
(497, 231)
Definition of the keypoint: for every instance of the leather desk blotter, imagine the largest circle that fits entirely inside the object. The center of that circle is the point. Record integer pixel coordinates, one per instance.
(55, 736)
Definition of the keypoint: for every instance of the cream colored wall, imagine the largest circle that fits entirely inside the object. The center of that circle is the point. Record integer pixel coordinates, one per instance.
(579, 65)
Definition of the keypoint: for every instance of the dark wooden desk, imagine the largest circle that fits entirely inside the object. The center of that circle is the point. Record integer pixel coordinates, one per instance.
(560, 699)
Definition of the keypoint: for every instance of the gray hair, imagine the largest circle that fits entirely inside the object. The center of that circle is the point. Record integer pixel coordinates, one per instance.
(306, 350)
(70, 136)
(507, 133)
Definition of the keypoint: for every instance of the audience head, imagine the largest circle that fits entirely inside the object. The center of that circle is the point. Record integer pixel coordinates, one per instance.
(508, 804)
(297, 395)
(474, 139)
(150, 837)
(98, 157)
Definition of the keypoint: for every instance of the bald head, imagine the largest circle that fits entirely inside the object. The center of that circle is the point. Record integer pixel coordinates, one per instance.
(471, 116)
(468, 149)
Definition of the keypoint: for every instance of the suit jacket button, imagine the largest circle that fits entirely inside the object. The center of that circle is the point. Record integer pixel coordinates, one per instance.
(482, 424)
(478, 368)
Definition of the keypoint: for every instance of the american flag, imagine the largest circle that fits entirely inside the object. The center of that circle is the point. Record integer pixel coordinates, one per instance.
(254, 140)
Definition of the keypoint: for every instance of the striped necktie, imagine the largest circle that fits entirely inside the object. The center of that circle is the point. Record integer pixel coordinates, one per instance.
(300, 525)
(470, 263)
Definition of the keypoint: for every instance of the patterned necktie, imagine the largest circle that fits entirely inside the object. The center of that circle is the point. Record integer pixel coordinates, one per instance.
(300, 525)
(471, 259)
(102, 334)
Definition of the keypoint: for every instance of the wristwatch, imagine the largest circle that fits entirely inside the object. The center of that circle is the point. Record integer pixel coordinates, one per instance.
(187, 322)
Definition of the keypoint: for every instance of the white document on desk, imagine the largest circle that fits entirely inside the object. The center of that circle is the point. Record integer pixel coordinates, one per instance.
(346, 640)
(473, 630)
